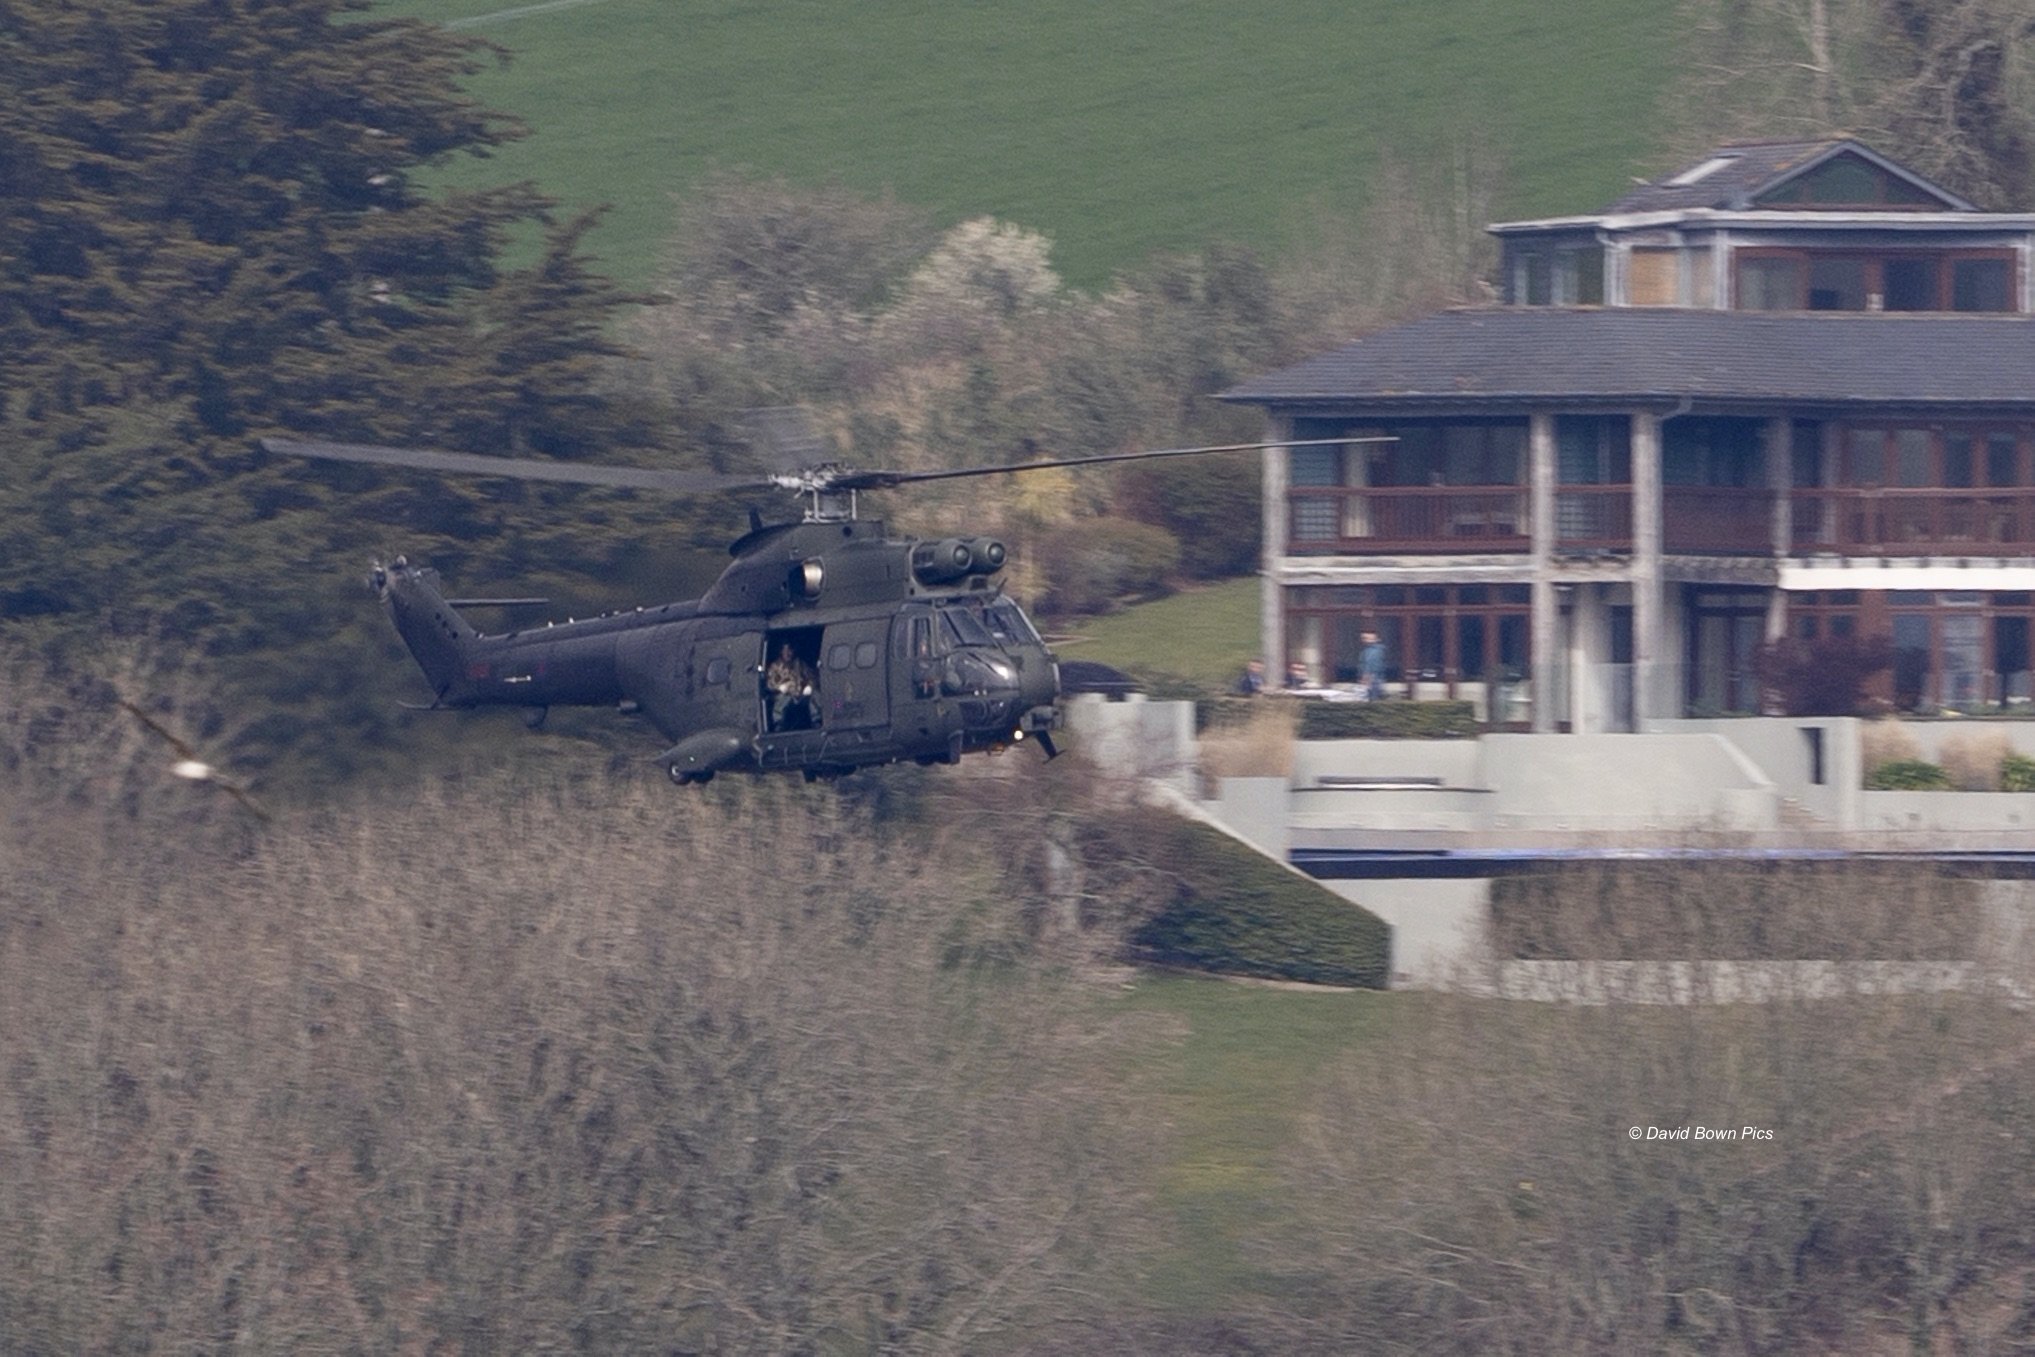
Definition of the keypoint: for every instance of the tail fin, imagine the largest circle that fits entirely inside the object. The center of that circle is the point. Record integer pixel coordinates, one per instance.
(438, 637)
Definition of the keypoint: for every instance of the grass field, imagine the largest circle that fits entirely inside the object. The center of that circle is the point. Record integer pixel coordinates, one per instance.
(1116, 129)
(1203, 635)
(1232, 1094)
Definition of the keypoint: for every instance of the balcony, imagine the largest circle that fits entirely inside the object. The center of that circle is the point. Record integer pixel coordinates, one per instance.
(1593, 518)
(1717, 520)
(1345, 520)
(1901, 522)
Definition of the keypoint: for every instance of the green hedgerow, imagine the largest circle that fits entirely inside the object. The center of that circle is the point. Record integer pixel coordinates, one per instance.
(2017, 773)
(1907, 775)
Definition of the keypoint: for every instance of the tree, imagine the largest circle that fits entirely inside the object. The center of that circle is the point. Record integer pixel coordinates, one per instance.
(215, 222)
(1824, 677)
(1943, 87)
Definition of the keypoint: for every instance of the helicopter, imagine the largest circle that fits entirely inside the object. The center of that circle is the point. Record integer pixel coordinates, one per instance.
(824, 647)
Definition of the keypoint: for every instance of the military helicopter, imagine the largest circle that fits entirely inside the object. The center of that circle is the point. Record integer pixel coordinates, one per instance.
(826, 646)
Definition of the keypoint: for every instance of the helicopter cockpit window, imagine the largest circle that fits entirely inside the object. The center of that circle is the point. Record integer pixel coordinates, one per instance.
(1008, 624)
(965, 628)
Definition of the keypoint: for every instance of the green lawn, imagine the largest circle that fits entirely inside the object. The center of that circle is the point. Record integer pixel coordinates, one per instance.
(1202, 635)
(1232, 1093)
(1116, 129)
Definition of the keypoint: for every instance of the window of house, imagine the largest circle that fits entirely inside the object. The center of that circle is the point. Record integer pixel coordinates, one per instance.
(1579, 277)
(1911, 659)
(1434, 634)
(1805, 445)
(1837, 283)
(1919, 458)
(1910, 284)
(1980, 285)
(1863, 456)
(1767, 283)
(1593, 450)
(1912, 469)
(1823, 280)
(1544, 275)
(1957, 459)
(1462, 453)
(2003, 461)
(1696, 450)
(1315, 466)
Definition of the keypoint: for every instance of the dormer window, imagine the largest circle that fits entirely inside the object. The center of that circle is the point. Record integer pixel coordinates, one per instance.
(1848, 182)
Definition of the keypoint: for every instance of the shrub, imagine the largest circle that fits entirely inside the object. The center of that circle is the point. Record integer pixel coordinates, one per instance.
(1259, 745)
(1236, 912)
(1907, 775)
(1887, 741)
(2017, 773)
(1387, 720)
(1825, 677)
(1092, 562)
(1972, 759)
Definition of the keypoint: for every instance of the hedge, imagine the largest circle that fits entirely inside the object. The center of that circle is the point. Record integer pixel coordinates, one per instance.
(1907, 775)
(1237, 913)
(1323, 720)
(2017, 773)
(1387, 721)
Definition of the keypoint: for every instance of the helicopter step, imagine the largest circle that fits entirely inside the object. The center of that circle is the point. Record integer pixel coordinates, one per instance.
(699, 756)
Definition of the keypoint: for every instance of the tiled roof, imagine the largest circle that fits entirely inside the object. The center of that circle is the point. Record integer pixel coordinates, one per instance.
(1492, 355)
(1744, 170)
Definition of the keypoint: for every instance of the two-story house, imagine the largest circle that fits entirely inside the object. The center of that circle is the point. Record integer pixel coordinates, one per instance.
(1788, 390)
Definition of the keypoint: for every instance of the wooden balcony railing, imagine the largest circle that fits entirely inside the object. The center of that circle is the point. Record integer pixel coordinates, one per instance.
(1594, 517)
(1714, 518)
(1338, 519)
(1901, 522)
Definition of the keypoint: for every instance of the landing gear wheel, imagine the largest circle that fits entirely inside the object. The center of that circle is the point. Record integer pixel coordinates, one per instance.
(686, 778)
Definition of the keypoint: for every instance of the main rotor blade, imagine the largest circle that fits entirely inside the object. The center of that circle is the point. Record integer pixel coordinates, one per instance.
(517, 468)
(878, 480)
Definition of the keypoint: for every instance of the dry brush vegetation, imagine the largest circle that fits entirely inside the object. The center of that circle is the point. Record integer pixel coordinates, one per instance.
(495, 1067)
(497, 1064)
(1473, 1184)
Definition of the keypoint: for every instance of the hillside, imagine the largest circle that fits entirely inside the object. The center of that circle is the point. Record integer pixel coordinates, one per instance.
(1117, 130)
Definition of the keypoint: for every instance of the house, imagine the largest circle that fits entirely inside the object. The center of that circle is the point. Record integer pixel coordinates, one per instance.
(1787, 391)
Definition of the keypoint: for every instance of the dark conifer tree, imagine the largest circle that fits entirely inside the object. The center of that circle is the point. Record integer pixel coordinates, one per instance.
(216, 221)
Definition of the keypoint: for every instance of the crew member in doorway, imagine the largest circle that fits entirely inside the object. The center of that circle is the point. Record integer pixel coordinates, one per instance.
(790, 682)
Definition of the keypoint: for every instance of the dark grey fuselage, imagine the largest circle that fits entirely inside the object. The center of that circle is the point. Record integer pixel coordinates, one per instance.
(901, 669)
